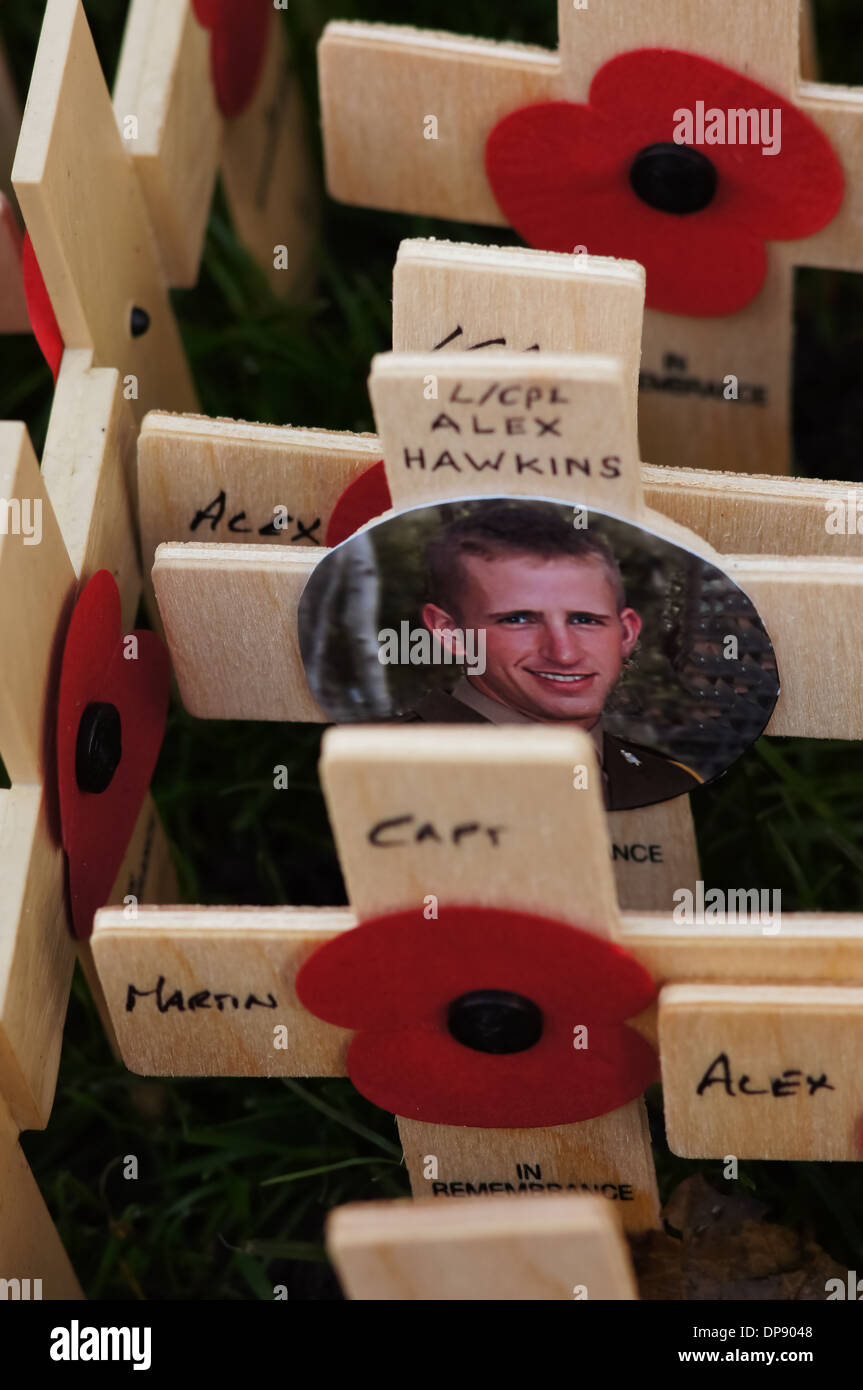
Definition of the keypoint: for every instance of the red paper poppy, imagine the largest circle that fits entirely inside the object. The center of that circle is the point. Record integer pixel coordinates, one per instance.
(112, 705)
(365, 498)
(515, 986)
(564, 174)
(40, 311)
(238, 44)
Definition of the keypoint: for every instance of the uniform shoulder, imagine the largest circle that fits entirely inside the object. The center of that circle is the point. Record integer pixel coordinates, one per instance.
(439, 707)
(639, 776)
(635, 753)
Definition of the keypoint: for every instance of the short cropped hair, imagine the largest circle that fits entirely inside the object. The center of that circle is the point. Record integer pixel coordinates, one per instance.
(494, 529)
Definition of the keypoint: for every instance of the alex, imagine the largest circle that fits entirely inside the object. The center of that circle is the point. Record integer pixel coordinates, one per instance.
(719, 1074)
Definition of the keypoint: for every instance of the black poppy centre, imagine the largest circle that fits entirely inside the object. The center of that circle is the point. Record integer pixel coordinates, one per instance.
(99, 747)
(674, 178)
(139, 321)
(495, 1020)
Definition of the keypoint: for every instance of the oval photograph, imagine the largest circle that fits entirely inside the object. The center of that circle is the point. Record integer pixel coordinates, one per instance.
(515, 610)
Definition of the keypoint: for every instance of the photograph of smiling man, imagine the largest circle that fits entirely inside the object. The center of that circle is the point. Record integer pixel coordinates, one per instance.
(558, 632)
(511, 610)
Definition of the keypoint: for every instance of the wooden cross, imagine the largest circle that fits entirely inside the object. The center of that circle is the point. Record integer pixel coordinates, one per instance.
(116, 198)
(213, 991)
(226, 669)
(502, 1249)
(89, 224)
(202, 479)
(60, 524)
(224, 480)
(420, 147)
(445, 777)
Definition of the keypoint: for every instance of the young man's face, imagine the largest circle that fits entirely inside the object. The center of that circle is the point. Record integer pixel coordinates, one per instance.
(555, 641)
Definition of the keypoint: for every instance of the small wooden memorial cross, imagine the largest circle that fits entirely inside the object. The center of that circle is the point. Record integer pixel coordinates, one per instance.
(570, 148)
(59, 525)
(217, 602)
(202, 479)
(752, 1010)
(116, 198)
(502, 1249)
(221, 995)
(220, 480)
(89, 224)
(454, 846)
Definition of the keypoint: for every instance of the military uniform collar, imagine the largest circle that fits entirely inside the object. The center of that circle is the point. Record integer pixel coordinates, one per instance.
(496, 713)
